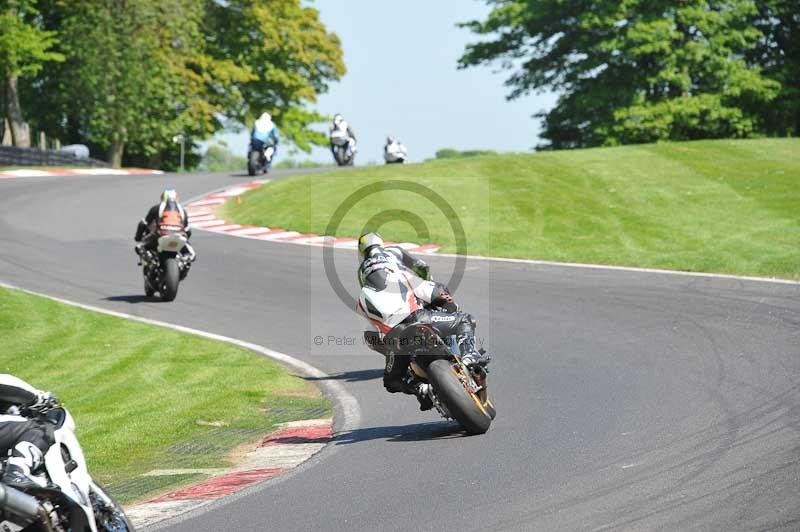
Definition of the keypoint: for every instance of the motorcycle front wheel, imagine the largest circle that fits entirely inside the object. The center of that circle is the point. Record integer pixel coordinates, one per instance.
(466, 408)
(171, 279)
(109, 515)
(253, 163)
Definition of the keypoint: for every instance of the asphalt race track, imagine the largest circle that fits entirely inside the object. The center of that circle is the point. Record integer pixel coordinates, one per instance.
(627, 401)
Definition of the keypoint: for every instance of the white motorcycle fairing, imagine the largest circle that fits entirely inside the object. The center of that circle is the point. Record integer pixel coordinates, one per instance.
(339, 137)
(172, 242)
(395, 152)
(65, 454)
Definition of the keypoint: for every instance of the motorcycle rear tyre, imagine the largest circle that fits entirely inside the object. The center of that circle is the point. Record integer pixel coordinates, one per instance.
(459, 402)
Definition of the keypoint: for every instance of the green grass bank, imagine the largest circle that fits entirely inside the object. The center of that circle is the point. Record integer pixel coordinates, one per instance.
(144, 397)
(728, 206)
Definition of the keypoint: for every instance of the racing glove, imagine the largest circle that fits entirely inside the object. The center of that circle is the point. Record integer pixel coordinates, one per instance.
(44, 402)
(422, 269)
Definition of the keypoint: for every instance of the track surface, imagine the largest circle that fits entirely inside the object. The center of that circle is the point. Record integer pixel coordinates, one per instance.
(627, 401)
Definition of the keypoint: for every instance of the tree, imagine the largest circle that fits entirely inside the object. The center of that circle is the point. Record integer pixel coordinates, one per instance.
(631, 70)
(24, 49)
(289, 52)
(779, 54)
(137, 74)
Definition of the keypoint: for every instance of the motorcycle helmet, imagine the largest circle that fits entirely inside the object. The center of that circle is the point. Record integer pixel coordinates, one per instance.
(266, 117)
(337, 119)
(367, 242)
(169, 194)
(390, 140)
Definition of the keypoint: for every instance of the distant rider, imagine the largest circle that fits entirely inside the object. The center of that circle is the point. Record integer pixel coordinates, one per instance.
(263, 135)
(26, 440)
(376, 276)
(168, 212)
(394, 152)
(341, 134)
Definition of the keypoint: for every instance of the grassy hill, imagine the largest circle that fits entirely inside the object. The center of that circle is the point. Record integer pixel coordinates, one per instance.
(711, 206)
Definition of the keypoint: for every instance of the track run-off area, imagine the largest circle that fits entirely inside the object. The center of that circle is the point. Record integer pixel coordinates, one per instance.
(627, 400)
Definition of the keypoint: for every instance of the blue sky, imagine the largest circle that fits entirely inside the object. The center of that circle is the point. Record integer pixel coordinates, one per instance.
(402, 80)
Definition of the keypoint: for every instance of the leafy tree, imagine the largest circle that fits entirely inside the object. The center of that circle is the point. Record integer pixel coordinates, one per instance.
(137, 74)
(631, 70)
(289, 52)
(218, 158)
(779, 54)
(24, 49)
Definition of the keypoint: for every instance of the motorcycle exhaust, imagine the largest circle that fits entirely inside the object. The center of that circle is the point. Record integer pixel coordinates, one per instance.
(19, 504)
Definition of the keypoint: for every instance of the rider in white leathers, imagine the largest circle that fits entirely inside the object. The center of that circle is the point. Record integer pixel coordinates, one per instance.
(341, 134)
(394, 152)
(397, 293)
(26, 439)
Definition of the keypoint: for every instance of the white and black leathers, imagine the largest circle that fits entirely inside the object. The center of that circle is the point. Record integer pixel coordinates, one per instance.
(26, 440)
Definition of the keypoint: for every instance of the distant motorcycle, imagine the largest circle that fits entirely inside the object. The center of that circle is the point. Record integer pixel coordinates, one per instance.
(344, 151)
(169, 264)
(395, 153)
(68, 500)
(259, 160)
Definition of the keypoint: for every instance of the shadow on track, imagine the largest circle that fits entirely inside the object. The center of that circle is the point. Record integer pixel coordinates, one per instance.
(134, 299)
(440, 430)
(351, 376)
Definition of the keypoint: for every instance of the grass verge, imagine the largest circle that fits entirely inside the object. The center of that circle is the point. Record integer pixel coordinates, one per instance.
(711, 206)
(144, 397)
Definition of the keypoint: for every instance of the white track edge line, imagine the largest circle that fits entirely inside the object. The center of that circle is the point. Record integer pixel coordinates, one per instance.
(343, 401)
(633, 269)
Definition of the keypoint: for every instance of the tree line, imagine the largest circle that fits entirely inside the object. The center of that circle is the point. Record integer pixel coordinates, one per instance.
(634, 71)
(126, 76)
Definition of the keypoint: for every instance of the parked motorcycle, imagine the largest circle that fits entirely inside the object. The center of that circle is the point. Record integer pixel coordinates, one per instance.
(259, 160)
(67, 499)
(344, 150)
(169, 264)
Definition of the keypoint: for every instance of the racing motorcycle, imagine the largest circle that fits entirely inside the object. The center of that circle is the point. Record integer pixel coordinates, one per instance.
(343, 148)
(457, 391)
(395, 153)
(169, 264)
(259, 160)
(67, 499)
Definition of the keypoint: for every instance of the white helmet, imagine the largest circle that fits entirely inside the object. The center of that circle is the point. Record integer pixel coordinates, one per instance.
(266, 117)
(337, 119)
(367, 242)
(169, 194)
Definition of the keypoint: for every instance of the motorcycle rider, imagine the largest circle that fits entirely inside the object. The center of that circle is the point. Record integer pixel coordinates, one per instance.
(26, 440)
(439, 311)
(394, 152)
(341, 132)
(264, 134)
(168, 212)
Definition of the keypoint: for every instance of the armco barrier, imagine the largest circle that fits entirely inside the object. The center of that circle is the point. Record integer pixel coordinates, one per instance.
(11, 156)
